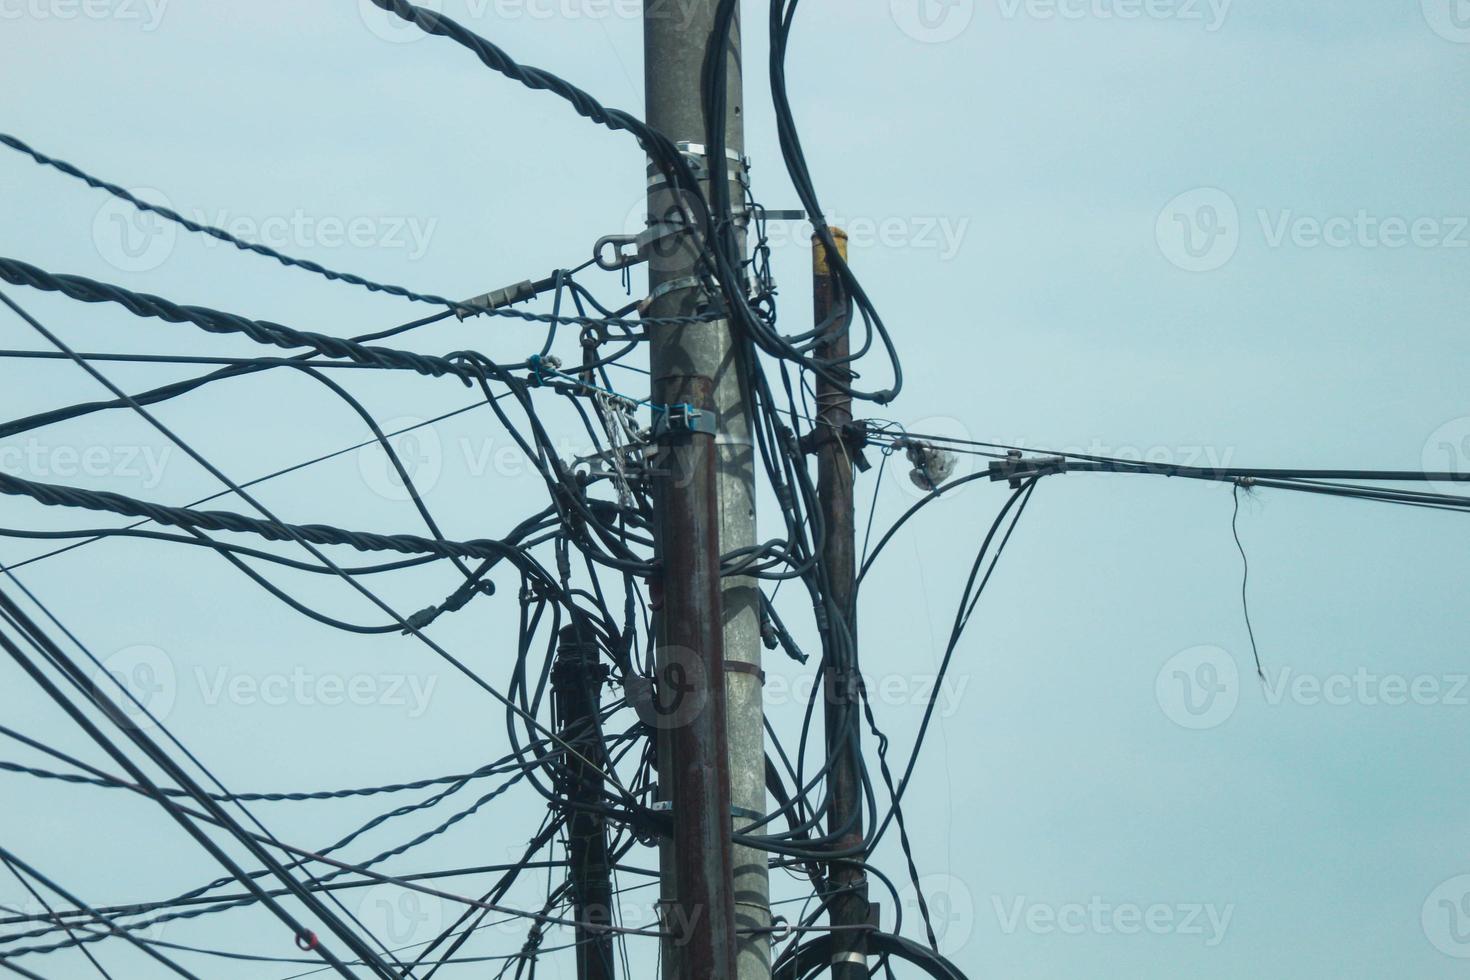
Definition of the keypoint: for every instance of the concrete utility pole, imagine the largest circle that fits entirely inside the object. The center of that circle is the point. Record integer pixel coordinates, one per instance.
(576, 680)
(711, 765)
(849, 904)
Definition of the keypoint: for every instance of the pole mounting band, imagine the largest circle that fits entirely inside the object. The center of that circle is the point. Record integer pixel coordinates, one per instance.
(739, 812)
(741, 667)
(682, 420)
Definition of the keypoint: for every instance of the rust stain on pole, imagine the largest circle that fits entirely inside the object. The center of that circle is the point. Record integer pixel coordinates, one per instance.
(845, 878)
(692, 683)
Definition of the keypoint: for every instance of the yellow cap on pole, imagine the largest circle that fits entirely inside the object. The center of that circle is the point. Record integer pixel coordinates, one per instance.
(819, 252)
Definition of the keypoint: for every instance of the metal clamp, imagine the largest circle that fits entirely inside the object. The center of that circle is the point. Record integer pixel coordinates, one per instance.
(682, 420)
(1017, 469)
(741, 812)
(639, 243)
(671, 286)
(697, 156)
(743, 667)
(745, 812)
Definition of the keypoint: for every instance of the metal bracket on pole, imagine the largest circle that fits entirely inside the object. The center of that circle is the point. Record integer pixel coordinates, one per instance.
(1017, 469)
(640, 243)
(787, 214)
(697, 156)
(671, 286)
(682, 420)
(738, 812)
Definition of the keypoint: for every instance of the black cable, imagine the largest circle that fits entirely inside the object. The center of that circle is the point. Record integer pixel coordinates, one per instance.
(1245, 575)
(51, 914)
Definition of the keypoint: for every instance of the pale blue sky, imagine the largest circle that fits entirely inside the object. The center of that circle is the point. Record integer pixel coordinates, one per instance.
(1019, 167)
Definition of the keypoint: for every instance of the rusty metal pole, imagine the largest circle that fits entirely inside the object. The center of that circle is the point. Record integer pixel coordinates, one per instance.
(708, 629)
(848, 884)
(694, 775)
(576, 678)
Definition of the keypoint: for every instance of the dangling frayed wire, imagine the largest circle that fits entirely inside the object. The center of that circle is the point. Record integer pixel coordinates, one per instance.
(1245, 573)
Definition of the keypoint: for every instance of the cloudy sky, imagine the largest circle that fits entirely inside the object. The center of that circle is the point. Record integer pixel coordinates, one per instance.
(1230, 232)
